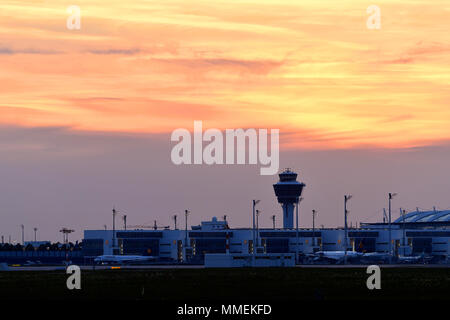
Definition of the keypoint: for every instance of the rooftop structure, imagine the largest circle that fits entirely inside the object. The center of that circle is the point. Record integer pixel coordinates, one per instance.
(425, 216)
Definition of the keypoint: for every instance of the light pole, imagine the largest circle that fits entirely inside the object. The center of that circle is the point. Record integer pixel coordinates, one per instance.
(23, 236)
(175, 221)
(273, 221)
(255, 202)
(186, 213)
(35, 237)
(314, 229)
(403, 212)
(257, 227)
(391, 196)
(296, 229)
(346, 199)
(114, 212)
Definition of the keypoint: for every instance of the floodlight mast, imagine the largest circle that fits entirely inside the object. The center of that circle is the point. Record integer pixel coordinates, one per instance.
(314, 229)
(255, 202)
(23, 234)
(346, 199)
(391, 196)
(403, 213)
(257, 227)
(114, 212)
(186, 213)
(296, 228)
(175, 221)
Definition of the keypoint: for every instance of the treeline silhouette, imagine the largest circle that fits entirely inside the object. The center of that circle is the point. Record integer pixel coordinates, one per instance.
(43, 247)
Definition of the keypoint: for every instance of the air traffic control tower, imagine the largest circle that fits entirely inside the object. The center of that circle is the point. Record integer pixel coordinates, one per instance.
(288, 191)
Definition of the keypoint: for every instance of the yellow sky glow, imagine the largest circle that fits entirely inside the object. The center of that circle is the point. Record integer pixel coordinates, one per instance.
(310, 68)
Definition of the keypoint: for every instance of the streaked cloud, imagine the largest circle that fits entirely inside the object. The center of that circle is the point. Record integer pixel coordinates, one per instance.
(310, 68)
(11, 51)
(116, 51)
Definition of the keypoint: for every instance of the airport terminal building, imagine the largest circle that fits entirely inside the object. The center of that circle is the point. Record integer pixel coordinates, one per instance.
(415, 233)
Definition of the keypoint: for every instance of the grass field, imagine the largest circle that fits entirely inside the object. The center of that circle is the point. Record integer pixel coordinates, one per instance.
(218, 285)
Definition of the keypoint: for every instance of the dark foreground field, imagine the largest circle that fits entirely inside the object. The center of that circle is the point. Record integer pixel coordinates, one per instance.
(219, 285)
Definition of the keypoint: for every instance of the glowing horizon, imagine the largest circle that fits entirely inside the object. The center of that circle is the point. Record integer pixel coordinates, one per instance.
(313, 70)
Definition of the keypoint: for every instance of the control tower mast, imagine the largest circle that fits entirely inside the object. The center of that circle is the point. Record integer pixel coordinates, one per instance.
(288, 191)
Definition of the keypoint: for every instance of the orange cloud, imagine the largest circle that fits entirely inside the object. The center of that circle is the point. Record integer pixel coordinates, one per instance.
(311, 69)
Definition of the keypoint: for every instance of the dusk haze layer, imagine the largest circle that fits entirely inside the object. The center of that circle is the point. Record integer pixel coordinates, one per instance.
(86, 115)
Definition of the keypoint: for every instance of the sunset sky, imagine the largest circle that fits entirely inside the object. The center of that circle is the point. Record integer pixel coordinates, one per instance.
(310, 68)
(144, 68)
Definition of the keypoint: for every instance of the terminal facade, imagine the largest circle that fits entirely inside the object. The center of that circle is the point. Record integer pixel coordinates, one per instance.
(415, 233)
(413, 238)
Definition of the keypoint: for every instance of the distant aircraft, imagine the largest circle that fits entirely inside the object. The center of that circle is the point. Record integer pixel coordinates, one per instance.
(375, 257)
(336, 257)
(413, 259)
(117, 259)
(32, 263)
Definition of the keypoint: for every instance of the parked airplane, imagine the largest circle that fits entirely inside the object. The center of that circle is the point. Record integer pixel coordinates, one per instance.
(413, 259)
(375, 257)
(336, 257)
(125, 259)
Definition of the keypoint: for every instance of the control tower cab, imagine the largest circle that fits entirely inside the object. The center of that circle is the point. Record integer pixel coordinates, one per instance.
(288, 191)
